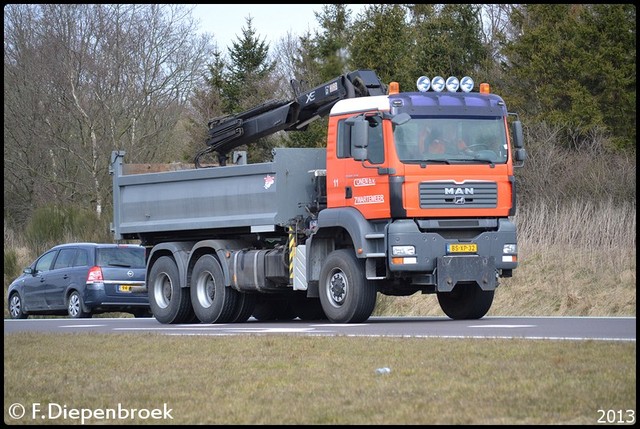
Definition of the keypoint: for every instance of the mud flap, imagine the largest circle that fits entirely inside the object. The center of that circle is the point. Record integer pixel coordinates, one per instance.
(469, 268)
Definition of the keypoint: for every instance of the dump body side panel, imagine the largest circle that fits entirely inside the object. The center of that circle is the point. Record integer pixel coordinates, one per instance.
(254, 195)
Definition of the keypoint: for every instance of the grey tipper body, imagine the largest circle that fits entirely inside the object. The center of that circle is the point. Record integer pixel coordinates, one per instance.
(253, 195)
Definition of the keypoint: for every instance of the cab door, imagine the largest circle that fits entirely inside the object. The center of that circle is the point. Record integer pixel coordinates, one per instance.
(363, 185)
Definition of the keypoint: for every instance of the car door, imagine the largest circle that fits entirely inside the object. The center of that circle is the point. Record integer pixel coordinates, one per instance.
(34, 286)
(59, 279)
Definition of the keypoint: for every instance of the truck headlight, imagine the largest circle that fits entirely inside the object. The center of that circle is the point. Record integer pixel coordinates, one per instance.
(510, 249)
(510, 253)
(402, 255)
(403, 250)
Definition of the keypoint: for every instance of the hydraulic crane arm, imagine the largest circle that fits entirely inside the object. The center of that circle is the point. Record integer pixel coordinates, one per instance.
(229, 132)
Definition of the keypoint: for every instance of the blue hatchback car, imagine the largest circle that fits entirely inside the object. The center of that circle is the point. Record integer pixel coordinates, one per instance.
(82, 279)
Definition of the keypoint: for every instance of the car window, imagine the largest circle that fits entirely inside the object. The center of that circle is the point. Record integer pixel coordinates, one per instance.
(64, 259)
(132, 257)
(82, 258)
(44, 262)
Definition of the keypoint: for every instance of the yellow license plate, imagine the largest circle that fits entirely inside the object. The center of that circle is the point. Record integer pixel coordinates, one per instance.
(462, 248)
(125, 288)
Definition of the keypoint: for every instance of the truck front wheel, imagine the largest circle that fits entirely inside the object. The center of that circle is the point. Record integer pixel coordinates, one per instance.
(345, 293)
(212, 301)
(168, 301)
(465, 301)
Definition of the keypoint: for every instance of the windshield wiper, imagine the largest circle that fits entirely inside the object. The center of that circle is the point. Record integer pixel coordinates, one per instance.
(425, 161)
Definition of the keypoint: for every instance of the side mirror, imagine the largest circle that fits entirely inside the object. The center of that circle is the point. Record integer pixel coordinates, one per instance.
(30, 271)
(359, 137)
(520, 154)
(518, 139)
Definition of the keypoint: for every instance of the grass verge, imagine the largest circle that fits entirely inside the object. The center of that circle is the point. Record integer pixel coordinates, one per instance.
(287, 379)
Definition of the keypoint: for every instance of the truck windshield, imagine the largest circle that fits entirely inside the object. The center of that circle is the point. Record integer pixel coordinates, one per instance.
(479, 139)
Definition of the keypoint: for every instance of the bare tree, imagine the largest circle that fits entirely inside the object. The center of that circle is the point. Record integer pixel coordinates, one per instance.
(83, 80)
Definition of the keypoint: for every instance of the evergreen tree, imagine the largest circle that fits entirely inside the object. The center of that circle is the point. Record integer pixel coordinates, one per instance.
(448, 40)
(382, 41)
(240, 83)
(248, 81)
(573, 66)
(320, 59)
(333, 40)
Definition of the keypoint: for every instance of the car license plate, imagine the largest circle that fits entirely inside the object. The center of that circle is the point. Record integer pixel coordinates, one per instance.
(125, 288)
(462, 248)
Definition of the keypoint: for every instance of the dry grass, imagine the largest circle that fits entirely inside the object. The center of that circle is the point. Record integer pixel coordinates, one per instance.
(575, 259)
(287, 379)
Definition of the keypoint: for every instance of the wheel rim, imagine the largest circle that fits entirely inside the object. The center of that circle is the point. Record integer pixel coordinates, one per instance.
(163, 290)
(74, 305)
(205, 289)
(14, 306)
(337, 287)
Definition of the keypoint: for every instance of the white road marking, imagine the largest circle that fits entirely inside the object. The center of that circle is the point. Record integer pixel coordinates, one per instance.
(79, 326)
(341, 325)
(502, 326)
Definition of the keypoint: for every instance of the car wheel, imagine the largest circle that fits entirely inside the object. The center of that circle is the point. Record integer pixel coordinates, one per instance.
(16, 309)
(75, 307)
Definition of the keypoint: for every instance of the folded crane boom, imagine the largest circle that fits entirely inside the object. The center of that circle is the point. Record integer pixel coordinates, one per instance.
(229, 132)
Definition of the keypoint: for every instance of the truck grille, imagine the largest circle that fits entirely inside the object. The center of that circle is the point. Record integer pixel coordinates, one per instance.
(447, 195)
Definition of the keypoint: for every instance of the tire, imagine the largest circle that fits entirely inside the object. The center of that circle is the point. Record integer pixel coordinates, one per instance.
(168, 301)
(75, 307)
(245, 305)
(142, 313)
(269, 308)
(465, 301)
(345, 293)
(16, 309)
(308, 308)
(212, 301)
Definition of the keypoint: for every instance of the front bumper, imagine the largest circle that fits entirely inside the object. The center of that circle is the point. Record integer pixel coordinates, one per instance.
(431, 238)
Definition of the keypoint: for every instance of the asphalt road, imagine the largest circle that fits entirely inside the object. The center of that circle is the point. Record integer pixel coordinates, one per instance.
(538, 328)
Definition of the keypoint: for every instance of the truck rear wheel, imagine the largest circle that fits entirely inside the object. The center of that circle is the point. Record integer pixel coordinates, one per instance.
(212, 301)
(308, 308)
(245, 305)
(168, 301)
(345, 293)
(269, 308)
(465, 301)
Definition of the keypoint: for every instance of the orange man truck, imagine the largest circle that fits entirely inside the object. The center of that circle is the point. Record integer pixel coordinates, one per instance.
(319, 233)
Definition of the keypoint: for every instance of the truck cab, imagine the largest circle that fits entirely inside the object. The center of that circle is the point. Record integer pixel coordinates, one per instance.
(430, 174)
